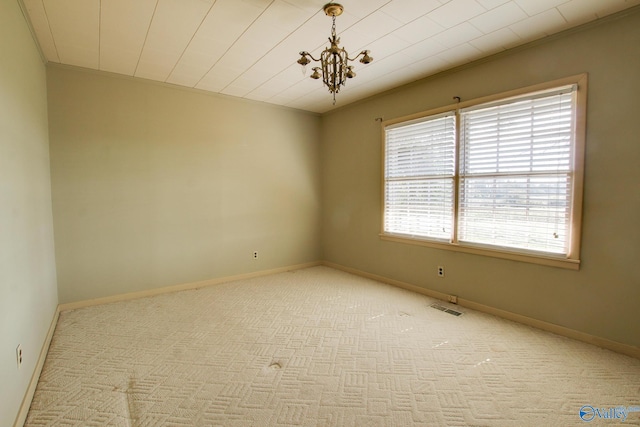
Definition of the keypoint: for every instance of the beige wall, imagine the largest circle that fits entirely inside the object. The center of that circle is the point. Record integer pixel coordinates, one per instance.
(156, 186)
(28, 294)
(602, 298)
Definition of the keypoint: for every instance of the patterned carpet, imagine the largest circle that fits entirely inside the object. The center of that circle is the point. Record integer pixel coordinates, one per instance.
(320, 347)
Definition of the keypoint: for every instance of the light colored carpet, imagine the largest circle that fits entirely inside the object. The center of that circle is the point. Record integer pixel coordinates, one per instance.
(318, 347)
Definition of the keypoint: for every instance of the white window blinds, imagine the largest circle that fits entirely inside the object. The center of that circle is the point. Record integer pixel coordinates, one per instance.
(516, 173)
(494, 177)
(419, 177)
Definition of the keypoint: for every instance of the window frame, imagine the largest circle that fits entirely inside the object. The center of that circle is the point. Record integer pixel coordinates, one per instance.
(572, 259)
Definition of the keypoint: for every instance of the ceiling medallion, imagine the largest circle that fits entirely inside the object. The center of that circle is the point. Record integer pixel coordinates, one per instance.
(334, 61)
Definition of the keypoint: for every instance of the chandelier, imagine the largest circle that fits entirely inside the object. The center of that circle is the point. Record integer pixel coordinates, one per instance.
(334, 60)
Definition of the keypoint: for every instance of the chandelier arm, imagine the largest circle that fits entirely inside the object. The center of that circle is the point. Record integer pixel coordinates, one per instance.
(363, 53)
(304, 53)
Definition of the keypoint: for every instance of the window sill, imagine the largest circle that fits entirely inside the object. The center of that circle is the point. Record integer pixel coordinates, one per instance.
(550, 261)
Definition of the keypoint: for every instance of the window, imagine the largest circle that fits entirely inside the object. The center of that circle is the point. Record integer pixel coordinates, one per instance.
(498, 176)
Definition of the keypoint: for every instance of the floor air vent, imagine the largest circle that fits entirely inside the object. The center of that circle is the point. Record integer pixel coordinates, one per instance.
(445, 309)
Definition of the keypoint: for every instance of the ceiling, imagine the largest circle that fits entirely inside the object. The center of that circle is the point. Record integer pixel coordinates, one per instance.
(249, 48)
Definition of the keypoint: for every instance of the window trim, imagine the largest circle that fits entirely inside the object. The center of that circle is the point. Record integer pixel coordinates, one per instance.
(569, 261)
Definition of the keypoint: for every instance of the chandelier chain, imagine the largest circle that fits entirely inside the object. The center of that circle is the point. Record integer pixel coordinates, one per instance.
(333, 27)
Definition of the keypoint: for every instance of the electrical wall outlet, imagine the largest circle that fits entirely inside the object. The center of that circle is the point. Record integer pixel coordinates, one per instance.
(19, 355)
(441, 271)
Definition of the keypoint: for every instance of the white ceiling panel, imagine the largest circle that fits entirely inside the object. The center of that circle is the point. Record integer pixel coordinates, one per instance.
(226, 21)
(425, 49)
(317, 101)
(377, 70)
(419, 29)
(406, 11)
(123, 28)
(500, 17)
(275, 24)
(546, 22)
(534, 7)
(249, 48)
(252, 78)
(581, 11)
(278, 83)
(494, 42)
(456, 12)
(366, 31)
(574, 13)
(40, 22)
(454, 36)
(492, 4)
(271, 64)
(239, 88)
(607, 8)
(387, 46)
(310, 6)
(360, 9)
(75, 26)
(218, 80)
(313, 35)
(460, 54)
(409, 72)
(427, 67)
(174, 24)
(305, 88)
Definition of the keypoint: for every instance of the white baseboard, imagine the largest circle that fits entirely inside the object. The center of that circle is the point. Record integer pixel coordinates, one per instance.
(33, 383)
(539, 324)
(181, 287)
